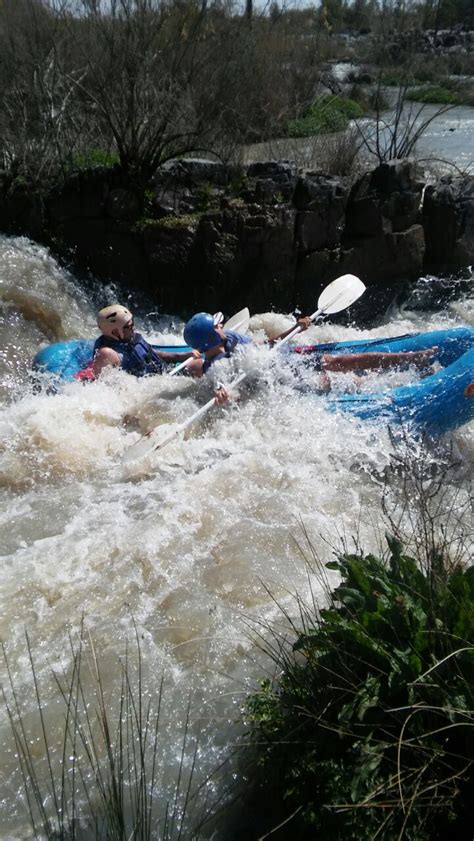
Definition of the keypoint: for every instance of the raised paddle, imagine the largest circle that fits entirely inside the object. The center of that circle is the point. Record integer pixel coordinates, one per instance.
(339, 295)
(239, 321)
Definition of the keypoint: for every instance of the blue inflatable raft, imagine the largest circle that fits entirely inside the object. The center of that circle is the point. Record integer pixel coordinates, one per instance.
(437, 404)
(66, 359)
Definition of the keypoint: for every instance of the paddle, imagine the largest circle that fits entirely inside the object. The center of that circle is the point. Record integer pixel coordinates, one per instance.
(239, 321)
(339, 295)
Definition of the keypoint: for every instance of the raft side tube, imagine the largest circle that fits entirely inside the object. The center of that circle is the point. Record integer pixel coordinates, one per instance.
(66, 359)
(436, 404)
(451, 344)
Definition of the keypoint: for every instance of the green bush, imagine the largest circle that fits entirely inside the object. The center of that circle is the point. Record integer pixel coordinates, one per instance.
(369, 732)
(328, 114)
(435, 94)
(94, 158)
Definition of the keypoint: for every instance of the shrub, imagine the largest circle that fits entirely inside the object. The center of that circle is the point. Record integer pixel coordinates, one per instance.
(328, 114)
(94, 158)
(370, 730)
(435, 94)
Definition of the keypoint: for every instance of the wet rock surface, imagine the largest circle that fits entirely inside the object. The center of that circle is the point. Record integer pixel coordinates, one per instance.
(206, 236)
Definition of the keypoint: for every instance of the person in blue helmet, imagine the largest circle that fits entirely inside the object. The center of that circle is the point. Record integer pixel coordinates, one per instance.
(121, 346)
(214, 342)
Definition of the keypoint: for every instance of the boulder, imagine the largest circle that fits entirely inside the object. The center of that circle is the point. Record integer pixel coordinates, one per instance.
(321, 202)
(385, 200)
(278, 171)
(448, 221)
(386, 259)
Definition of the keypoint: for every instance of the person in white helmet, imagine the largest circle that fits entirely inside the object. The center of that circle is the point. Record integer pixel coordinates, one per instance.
(122, 347)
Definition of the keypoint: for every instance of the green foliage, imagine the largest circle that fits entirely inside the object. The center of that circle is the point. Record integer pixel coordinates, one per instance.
(328, 114)
(94, 158)
(370, 730)
(185, 221)
(436, 94)
(205, 196)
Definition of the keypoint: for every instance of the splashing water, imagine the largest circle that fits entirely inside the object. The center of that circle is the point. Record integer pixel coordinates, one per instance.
(188, 546)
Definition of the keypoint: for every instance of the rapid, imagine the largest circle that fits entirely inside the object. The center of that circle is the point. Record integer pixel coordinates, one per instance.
(193, 551)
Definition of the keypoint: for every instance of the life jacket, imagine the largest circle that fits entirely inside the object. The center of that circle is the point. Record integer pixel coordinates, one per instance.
(232, 340)
(137, 356)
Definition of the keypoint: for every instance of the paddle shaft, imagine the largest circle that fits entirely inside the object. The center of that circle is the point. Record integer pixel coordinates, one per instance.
(189, 421)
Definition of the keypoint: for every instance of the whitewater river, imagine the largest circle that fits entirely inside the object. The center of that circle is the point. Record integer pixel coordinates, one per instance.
(197, 546)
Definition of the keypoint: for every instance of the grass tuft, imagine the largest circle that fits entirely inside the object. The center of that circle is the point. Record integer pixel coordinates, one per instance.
(104, 778)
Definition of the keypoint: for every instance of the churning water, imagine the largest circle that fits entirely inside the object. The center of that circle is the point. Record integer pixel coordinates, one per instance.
(189, 547)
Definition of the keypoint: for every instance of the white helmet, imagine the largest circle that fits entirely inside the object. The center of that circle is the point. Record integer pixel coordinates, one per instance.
(111, 320)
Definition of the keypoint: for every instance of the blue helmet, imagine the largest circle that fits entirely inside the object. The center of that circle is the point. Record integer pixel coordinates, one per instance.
(199, 332)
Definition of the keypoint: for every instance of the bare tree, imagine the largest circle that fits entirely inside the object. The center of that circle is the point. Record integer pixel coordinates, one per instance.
(396, 134)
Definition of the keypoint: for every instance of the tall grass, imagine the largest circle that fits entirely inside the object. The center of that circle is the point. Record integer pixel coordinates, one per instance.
(104, 777)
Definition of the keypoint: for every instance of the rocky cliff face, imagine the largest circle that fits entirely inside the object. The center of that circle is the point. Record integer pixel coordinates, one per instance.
(266, 236)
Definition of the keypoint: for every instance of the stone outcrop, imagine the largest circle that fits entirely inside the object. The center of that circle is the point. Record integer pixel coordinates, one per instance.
(448, 220)
(429, 42)
(204, 236)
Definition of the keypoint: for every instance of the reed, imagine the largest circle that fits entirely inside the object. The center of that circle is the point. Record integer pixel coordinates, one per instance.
(104, 777)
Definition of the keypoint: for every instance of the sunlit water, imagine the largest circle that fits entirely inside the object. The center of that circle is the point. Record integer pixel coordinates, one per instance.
(194, 545)
(445, 146)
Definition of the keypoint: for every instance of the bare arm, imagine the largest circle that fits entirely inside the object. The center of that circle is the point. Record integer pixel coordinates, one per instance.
(303, 324)
(179, 356)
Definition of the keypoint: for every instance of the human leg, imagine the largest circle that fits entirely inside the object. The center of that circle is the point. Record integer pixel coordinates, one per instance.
(371, 361)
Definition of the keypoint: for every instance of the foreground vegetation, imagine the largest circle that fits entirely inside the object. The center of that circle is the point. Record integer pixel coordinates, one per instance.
(101, 772)
(370, 731)
(367, 731)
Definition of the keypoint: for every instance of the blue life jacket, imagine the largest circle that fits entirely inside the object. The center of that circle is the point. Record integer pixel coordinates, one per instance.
(137, 356)
(232, 340)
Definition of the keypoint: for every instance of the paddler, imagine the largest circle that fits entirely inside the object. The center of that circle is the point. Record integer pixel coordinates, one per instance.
(120, 346)
(215, 343)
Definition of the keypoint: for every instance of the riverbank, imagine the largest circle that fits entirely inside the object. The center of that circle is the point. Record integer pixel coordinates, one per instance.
(203, 235)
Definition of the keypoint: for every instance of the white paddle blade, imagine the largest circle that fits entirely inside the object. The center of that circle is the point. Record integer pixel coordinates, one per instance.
(153, 440)
(240, 321)
(340, 294)
(142, 448)
(159, 437)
